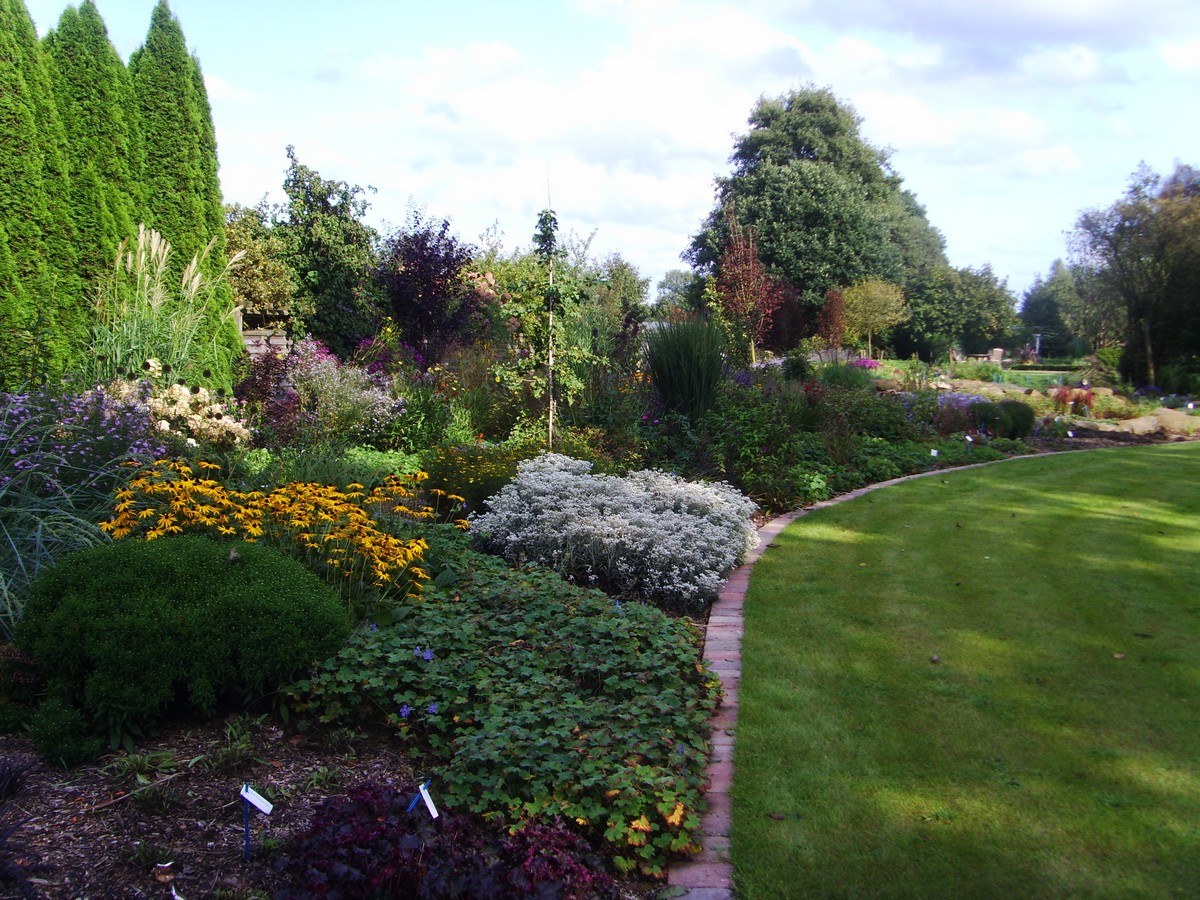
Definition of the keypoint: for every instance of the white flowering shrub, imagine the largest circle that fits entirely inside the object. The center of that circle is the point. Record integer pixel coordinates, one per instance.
(647, 534)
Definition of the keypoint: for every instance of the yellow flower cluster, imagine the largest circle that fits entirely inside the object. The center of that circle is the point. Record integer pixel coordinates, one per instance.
(337, 534)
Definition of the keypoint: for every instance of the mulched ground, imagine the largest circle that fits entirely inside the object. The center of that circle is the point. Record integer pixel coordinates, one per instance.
(95, 833)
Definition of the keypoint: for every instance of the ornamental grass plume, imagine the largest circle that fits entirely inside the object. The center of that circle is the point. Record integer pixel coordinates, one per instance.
(339, 535)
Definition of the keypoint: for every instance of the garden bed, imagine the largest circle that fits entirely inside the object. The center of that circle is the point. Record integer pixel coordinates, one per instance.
(91, 832)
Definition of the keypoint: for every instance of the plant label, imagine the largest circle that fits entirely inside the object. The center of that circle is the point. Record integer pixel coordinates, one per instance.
(1070, 434)
(261, 803)
(970, 440)
(428, 800)
(933, 453)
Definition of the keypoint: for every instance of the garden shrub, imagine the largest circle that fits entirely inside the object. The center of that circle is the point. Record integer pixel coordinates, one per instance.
(532, 699)
(128, 631)
(647, 534)
(844, 375)
(1007, 418)
(796, 366)
(369, 844)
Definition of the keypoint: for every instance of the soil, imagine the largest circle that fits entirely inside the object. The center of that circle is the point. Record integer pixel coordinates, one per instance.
(94, 833)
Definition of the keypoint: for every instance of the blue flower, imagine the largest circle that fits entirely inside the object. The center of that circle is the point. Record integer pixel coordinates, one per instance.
(417, 653)
(432, 708)
(405, 710)
(427, 655)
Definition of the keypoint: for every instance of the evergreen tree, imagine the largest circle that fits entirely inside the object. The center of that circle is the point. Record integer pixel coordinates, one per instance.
(45, 299)
(182, 192)
(95, 98)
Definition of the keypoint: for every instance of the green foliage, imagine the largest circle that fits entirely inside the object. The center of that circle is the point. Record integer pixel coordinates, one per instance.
(827, 208)
(331, 253)
(62, 734)
(141, 314)
(183, 194)
(685, 362)
(262, 283)
(477, 471)
(1006, 419)
(95, 97)
(967, 309)
(550, 701)
(975, 370)
(872, 306)
(1144, 252)
(41, 296)
(845, 376)
(797, 366)
(131, 630)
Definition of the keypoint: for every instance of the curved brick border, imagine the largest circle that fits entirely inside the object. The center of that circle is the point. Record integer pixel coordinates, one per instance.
(709, 874)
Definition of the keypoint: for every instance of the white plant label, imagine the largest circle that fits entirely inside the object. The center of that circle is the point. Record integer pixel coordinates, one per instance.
(933, 453)
(428, 800)
(253, 797)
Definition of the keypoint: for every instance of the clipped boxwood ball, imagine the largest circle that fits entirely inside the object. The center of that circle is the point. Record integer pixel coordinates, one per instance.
(130, 630)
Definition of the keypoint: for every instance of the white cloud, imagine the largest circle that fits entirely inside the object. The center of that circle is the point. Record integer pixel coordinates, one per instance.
(1182, 57)
(1069, 64)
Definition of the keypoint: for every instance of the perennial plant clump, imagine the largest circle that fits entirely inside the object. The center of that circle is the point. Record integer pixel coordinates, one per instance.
(648, 534)
(345, 537)
(60, 458)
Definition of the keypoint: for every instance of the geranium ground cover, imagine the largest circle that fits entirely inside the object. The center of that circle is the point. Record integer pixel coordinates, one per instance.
(528, 698)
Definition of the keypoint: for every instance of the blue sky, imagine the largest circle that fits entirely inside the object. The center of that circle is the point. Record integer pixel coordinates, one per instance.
(1006, 119)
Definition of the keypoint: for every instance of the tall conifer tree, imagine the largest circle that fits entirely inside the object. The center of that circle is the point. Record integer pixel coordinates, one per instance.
(95, 99)
(45, 302)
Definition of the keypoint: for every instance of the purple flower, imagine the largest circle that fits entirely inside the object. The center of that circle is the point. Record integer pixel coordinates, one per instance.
(427, 655)
(432, 708)
(417, 653)
(405, 711)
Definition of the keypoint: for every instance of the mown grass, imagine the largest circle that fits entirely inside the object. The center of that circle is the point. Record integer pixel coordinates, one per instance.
(979, 684)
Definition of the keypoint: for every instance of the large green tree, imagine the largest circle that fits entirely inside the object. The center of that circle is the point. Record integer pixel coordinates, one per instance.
(332, 252)
(1145, 250)
(42, 312)
(965, 309)
(95, 97)
(825, 204)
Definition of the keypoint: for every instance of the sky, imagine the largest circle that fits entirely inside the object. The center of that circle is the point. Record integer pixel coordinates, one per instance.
(1006, 119)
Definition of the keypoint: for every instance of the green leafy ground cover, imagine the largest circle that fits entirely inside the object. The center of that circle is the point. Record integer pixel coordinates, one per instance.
(980, 683)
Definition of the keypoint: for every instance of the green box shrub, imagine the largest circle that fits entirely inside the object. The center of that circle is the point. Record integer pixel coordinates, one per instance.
(1006, 418)
(128, 631)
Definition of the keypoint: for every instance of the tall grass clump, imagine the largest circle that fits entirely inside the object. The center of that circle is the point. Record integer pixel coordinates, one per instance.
(647, 535)
(144, 323)
(686, 360)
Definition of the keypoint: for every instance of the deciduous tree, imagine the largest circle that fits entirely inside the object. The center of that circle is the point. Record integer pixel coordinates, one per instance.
(872, 307)
(747, 293)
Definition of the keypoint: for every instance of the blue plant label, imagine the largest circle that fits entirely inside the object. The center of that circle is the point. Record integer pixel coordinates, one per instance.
(261, 803)
(428, 800)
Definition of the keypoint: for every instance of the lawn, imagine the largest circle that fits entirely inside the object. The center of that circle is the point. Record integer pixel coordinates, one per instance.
(983, 683)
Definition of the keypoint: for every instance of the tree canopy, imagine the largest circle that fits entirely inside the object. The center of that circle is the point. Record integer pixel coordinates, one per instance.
(1145, 251)
(825, 205)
